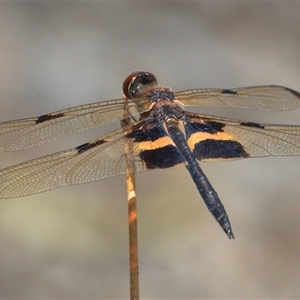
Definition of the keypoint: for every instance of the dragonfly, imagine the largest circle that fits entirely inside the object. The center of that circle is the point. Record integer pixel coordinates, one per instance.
(156, 132)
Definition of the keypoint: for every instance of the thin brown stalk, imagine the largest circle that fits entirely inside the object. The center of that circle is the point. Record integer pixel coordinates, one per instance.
(133, 238)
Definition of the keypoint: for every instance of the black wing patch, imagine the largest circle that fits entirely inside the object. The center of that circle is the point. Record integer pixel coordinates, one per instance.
(155, 148)
(208, 140)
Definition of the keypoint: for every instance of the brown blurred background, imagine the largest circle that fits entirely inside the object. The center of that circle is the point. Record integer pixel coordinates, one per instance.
(72, 243)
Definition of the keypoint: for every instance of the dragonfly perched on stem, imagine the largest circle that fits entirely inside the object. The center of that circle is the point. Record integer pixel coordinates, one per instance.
(157, 132)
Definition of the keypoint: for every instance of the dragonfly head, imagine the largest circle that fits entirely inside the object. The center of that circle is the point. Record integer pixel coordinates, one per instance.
(137, 82)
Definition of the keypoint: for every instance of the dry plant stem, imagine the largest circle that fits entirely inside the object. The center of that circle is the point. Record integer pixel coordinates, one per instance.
(133, 239)
(132, 216)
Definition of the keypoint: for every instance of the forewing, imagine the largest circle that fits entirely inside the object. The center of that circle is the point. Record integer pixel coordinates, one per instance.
(269, 97)
(26, 133)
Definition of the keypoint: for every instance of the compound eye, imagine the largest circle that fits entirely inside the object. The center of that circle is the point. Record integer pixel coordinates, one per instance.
(137, 82)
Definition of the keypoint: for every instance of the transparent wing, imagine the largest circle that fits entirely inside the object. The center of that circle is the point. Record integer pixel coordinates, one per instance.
(261, 140)
(101, 158)
(26, 133)
(104, 157)
(272, 98)
(31, 132)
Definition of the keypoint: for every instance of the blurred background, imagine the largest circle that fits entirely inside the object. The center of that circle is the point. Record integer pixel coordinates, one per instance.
(72, 243)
